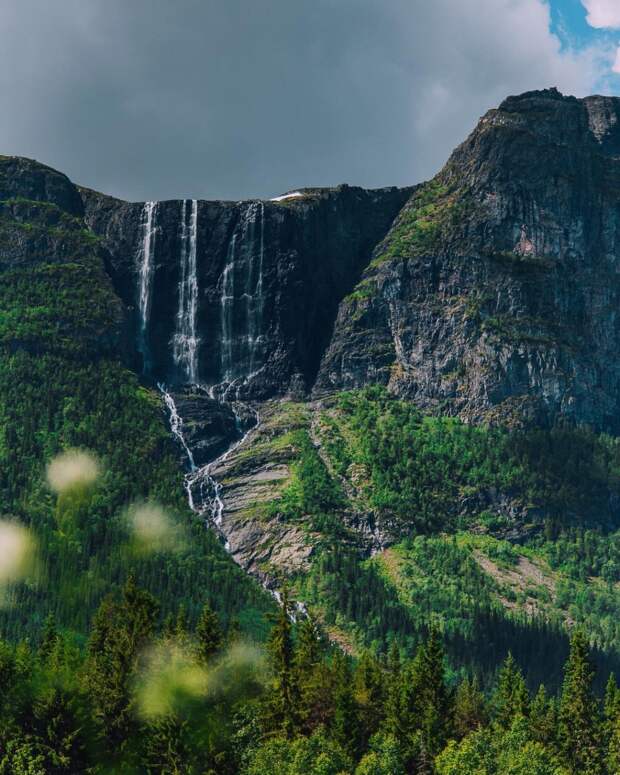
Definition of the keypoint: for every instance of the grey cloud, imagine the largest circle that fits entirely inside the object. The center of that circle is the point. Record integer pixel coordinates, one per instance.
(241, 98)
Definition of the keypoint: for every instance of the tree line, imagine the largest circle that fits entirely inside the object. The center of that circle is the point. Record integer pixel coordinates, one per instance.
(146, 696)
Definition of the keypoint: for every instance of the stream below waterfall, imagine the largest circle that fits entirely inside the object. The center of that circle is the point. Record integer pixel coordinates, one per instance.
(199, 479)
(210, 500)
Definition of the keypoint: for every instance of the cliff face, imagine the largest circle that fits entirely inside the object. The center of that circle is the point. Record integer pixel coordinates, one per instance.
(27, 179)
(240, 293)
(496, 292)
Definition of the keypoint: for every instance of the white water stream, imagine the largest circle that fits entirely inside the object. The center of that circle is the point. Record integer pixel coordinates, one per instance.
(242, 298)
(146, 266)
(200, 477)
(185, 340)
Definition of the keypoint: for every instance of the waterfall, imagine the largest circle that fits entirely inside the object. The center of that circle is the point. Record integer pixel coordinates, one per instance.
(201, 479)
(176, 426)
(242, 299)
(185, 340)
(146, 266)
(255, 301)
(227, 304)
(210, 489)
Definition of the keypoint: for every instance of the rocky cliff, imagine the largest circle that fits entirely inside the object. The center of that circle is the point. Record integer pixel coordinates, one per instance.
(493, 293)
(496, 292)
(243, 294)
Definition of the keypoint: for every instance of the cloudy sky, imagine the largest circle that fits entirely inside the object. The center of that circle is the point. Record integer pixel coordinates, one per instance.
(154, 99)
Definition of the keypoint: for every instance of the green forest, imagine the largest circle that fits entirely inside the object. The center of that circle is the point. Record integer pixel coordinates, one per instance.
(150, 697)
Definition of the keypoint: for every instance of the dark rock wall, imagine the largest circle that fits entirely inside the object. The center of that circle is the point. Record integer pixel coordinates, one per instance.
(27, 179)
(283, 267)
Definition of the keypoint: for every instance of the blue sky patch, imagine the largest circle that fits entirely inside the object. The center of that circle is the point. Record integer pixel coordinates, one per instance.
(569, 23)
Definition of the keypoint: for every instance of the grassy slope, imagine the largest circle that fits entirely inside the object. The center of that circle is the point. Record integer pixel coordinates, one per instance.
(451, 493)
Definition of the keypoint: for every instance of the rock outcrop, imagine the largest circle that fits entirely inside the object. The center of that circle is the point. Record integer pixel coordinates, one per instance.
(496, 293)
(28, 179)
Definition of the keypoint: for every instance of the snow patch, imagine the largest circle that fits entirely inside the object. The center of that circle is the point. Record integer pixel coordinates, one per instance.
(292, 195)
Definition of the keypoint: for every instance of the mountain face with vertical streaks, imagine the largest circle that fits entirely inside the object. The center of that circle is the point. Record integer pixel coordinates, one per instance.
(240, 293)
(495, 294)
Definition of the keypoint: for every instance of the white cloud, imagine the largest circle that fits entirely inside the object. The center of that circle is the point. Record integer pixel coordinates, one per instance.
(603, 14)
(487, 50)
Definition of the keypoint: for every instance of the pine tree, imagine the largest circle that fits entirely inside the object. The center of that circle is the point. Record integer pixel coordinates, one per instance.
(310, 645)
(346, 728)
(167, 630)
(61, 730)
(119, 632)
(613, 748)
(209, 635)
(311, 679)
(165, 747)
(611, 707)
(49, 638)
(425, 714)
(181, 634)
(233, 634)
(579, 727)
(283, 692)
(543, 718)
(394, 694)
(469, 708)
(511, 698)
(370, 694)
(435, 700)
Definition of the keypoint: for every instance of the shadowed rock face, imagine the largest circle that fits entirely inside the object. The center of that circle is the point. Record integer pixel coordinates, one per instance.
(209, 426)
(496, 293)
(27, 179)
(268, 279)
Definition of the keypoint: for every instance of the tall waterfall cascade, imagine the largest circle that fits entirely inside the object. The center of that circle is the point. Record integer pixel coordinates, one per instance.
(242, 298)
(146, 266)
(185, 340)
(255, 301)
(204, 492)
(242, 343)
(241, 337)
(227, 304)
